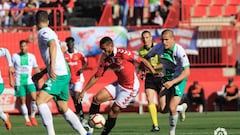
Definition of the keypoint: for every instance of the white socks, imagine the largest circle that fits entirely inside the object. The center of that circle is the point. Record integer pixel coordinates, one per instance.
(33, 108)
(173, 123)
(47, 119)
(2, 114)
(179, 108)
(73, 120)
(25, 112)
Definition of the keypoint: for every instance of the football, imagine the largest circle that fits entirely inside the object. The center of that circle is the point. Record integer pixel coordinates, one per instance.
(97, 120)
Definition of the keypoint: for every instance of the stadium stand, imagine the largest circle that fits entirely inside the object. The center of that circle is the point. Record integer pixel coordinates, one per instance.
(219, 2)
(204, 2)
(230, 10)
(205, 12)
(215, 11)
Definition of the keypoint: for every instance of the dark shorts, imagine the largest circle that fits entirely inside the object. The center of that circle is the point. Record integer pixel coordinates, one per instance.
(153, 82)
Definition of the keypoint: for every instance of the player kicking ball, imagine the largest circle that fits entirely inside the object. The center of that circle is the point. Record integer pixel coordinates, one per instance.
(123, 91)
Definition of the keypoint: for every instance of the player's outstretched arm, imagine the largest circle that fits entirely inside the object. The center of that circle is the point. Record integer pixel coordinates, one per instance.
(148, 66)
(89, 84)
(39, 75)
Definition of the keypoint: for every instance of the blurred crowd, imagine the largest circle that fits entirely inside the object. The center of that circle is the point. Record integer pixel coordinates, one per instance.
(22, 12)
(140, 12)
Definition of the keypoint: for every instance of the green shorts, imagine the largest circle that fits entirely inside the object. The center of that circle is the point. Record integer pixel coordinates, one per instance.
(178, 89)
(1, 88)
(58, 88)
(23, 90)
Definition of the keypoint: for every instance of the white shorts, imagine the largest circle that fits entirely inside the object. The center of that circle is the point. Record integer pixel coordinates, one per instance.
(77, 86)
(123, 96)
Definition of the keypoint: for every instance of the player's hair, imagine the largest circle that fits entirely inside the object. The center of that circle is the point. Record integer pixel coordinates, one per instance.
(68, 39)
(23, 41)
(146, 31)
(105, 40)
(41, 16)
(167, 31)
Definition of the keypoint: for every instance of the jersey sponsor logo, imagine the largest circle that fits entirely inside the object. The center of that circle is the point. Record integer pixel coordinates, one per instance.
(23, 69)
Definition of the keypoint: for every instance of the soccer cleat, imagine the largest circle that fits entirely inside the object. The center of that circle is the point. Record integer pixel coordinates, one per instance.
(155, 129)
(84, 122)
(88, 134)
(33, 121)
(171, 133)
(182, 113)
(28, 124)
(88, 128)
(7, 122)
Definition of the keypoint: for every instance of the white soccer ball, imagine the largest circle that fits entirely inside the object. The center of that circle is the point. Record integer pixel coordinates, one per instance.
(97, 120)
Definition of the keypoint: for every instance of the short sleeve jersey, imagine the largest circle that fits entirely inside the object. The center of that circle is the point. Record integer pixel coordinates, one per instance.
(174, 60)
(154, 61)
(5, 52)
(45, 35)
(23, 65)
(75, 61)
(122, 63)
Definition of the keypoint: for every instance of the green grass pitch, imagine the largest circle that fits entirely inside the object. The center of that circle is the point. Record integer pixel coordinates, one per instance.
(135, 124)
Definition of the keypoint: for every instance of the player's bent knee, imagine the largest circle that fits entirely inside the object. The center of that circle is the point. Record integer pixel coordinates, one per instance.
(164, 110)
(97, 99)
(115, 109)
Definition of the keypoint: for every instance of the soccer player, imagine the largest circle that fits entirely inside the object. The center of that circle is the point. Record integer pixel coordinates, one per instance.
(77, 62)
(123, 91)
(176, 70)
(23, 63)
(152, 83)
(4, 116)
(56, 86)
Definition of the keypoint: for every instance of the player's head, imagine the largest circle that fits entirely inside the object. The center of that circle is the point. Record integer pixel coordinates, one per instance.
(195, 83)
(70, 42)
(167, 37)
(23, 46)
(42, 19)
(106, 45)
(147, 39)
(230, 80)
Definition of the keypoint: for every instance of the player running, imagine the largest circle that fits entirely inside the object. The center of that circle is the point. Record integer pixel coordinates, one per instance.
(56, 86)
(77, 62)
(4, 116)
(123, 91)
(23, 63)
(176, 69)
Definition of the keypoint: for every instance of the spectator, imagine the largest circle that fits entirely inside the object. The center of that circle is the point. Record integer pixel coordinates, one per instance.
(16, 12)
(154, 6)
(138, 12)
(29, 16)
(63, 4)
(157, 20)
(196, 95)
(49, 4)
(229, 95)
(4, 13)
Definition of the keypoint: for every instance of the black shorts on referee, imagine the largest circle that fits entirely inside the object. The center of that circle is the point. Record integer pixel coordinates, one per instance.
(152, 82)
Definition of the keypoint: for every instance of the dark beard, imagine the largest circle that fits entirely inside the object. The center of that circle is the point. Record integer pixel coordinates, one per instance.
(111, 55)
